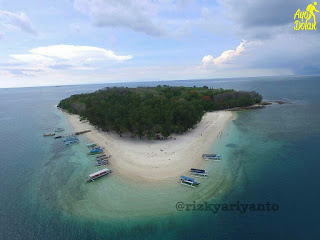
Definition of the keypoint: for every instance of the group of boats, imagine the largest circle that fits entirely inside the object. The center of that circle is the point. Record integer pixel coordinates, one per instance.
(53, 134)
(97, 151)
(184, 180)
(71, 140)
(61, 130)
(191, 181)
(188, 181)
(102, 160)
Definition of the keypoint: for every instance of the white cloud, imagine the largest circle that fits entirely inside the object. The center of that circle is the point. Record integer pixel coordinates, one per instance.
(79, 53)
(17, 20)
(228, 55)
(133, 14)
(68, 56)
(207, 60)
(154, 18)
(33, 59)
(62, 60)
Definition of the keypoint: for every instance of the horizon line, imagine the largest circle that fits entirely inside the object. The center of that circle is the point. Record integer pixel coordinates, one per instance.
(141, 81)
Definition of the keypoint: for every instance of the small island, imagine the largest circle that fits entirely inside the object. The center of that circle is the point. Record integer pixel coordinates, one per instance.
(153, 111)
(128, 123)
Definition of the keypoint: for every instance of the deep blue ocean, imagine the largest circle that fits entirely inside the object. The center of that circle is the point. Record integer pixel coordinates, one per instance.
(272, 155)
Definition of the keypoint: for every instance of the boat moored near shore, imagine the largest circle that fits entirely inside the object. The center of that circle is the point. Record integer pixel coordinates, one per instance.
(98, 174)
(103, 162)
(72, 142)
(199, 172)
(97, 148)
(82, 132)
(70, 139)
(48, 134)
(188, 181)
(91, 145)
(213, 157)
(95, 151)
(102, 157)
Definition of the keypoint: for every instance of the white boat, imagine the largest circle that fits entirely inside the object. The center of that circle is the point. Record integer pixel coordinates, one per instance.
(213, 157)
(98, 174)
(188, 181)
(198, 172)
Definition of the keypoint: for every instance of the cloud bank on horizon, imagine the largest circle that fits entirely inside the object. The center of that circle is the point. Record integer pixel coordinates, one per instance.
(96, 41)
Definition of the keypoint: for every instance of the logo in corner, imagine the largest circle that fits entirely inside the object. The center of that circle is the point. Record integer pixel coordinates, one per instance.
(303, 18)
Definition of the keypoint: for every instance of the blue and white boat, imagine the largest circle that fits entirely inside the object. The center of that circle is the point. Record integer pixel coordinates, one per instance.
(188, 181)
(95, 151)
(199, 172)
(72, 142)
(91, 145)
(70, 139)
(97, 148)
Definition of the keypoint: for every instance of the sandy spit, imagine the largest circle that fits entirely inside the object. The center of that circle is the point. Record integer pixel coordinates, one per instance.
(155, 160)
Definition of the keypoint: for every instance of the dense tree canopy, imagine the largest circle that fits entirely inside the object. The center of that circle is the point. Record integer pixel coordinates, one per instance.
(145, 111)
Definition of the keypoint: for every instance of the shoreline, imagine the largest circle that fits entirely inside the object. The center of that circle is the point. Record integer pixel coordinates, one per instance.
(155, 160)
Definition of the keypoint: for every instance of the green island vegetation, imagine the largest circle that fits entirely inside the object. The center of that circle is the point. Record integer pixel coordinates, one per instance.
(147, 111)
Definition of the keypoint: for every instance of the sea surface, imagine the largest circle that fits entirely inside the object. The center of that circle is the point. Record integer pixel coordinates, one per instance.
(270, 156)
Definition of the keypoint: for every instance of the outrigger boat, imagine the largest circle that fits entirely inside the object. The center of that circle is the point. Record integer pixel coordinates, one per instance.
(102, 157)
(48, 134)
(72, 142)
(97, 148)
(98, 174)
(188, 181)
(95, 151)
(104, 162)
(82, 132)
(59, 130)
(91, 145)
(70, 139)
(213, 157)
(199, 172)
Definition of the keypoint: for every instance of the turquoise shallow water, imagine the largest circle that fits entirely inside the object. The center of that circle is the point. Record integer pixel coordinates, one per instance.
(269, 155)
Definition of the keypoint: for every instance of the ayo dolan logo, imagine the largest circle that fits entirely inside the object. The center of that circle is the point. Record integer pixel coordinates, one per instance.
(302, 22)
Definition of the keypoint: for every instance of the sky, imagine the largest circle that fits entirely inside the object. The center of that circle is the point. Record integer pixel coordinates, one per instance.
(63, 42)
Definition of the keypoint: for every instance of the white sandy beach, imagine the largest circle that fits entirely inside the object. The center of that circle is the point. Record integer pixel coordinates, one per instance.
(157, 160)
